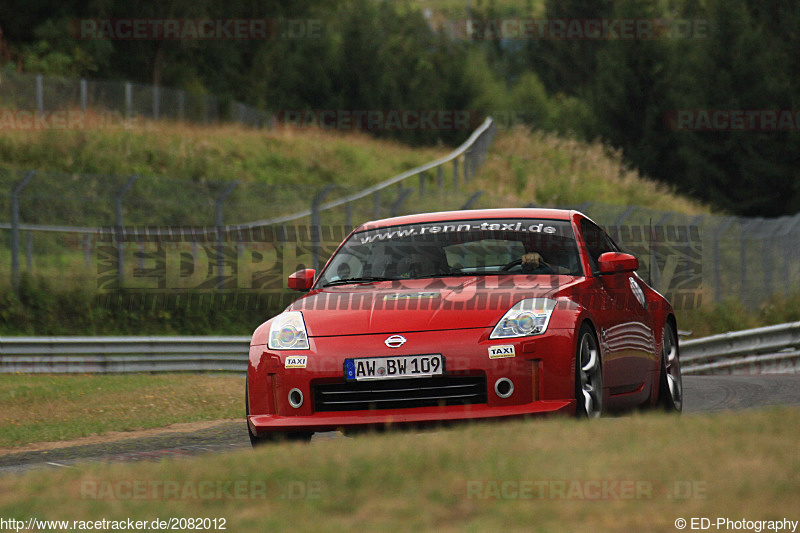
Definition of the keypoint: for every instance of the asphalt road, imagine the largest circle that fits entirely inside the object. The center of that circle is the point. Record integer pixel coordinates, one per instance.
(702, 394)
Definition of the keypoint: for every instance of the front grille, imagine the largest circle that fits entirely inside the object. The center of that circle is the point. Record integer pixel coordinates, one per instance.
(400, 393)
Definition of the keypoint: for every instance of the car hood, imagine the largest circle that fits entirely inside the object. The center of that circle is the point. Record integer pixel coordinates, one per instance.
(419, 305)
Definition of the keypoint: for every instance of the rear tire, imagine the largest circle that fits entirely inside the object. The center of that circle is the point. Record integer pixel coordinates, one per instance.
(588, 375)
(670, 383)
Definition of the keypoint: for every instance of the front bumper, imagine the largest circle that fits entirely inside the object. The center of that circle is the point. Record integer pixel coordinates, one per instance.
(264, 424)
(542, 371)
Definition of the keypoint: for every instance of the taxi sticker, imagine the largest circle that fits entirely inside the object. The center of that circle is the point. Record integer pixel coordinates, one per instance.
(298, 361)
(501, 350)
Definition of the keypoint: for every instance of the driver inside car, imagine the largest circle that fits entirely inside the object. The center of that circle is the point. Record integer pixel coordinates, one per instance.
(534, 263)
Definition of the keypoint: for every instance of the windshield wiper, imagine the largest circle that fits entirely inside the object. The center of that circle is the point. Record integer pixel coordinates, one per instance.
(365, 279)
(456, 273)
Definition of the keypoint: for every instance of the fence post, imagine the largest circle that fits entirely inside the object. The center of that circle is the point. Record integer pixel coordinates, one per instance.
(472, 200)
(39, 94)
(181, 105)
(316, 225)
(128, 100)
(348, 217)
(421, 184)
(401, 198)
(84, 95)
(87, 250)
(15, 192)
(219, 222)
(119, 233)
(156, 102)
(455, 174)
(466, 165)
(439, 177)
(29, 251)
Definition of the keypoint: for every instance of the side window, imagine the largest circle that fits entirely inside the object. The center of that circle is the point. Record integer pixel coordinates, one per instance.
(597, 243)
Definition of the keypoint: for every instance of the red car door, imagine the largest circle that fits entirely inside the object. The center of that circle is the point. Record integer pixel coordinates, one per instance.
(624, 325)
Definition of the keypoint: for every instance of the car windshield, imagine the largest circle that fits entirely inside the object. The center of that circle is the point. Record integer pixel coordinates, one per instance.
(456, 248)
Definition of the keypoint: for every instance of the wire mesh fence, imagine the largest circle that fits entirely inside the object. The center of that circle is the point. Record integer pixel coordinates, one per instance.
(119, 101)
(707, 258)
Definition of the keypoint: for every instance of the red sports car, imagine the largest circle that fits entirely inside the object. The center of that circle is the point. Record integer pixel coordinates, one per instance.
(463, 315)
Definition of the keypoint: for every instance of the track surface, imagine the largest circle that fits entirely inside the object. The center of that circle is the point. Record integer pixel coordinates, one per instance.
(701, 394)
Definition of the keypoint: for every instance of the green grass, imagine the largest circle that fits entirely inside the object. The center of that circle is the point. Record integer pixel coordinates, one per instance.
(549, 170)
(732, 315)
(213, 153)
(739, 464)
(51, 407)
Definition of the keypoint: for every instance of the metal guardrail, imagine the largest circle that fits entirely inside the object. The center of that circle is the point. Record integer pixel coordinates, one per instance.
(123, 354)
(486, 127)
(767, 350)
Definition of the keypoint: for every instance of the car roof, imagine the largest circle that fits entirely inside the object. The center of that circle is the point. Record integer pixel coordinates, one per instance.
(472, 214)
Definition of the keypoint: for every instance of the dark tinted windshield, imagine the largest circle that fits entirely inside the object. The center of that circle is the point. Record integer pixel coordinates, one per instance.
(457, 248)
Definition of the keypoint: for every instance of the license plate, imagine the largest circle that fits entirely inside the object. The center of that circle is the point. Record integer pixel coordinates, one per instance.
(405, 366)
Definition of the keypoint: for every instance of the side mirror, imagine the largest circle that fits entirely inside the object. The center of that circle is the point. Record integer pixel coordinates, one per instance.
(616, 262)
(302, 280)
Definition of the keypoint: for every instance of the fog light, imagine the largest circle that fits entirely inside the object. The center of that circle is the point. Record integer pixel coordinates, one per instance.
(503, 387)
(295, 398)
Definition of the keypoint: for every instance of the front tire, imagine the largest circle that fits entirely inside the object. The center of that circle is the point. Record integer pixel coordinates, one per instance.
(670, 383)
(588, 375)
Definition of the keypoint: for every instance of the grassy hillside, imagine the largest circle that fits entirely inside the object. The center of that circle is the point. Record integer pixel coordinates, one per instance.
(627, 474)
(523, 166)
(548, 170)
(224, 152)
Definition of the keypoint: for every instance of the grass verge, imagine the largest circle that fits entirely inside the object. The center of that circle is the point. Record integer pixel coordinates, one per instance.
(546, 169)
(733, 315)
(50, 407)
(217, 153)
(469, 478)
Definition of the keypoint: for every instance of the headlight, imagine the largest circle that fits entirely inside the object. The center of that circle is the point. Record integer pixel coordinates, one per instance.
(527, 317)
(288, 332)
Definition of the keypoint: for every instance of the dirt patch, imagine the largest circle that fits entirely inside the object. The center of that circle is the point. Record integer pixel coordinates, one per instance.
(113, 436)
